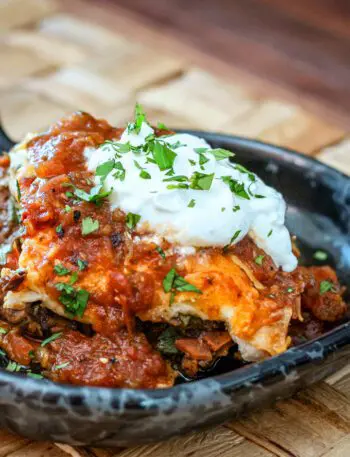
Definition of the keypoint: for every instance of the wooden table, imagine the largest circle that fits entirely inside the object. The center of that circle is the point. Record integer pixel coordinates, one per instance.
(54, 61)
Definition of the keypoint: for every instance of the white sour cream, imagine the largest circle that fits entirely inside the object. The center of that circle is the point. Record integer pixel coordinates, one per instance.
(212, 220)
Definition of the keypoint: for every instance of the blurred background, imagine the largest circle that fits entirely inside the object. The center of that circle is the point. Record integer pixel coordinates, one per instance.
(272, 69)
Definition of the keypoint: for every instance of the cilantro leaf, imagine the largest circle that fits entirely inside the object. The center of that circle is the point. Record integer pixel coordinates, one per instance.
(60, 270)
(236, 187)
(201, 181)
(259, 259)
(104, 169)
(326, 286)
(221, 154)
(191, 203)
(52, 338)
(140, 117)
(96, 194)
(321, 256)
(89, 225)
(233, 239)
(74, 300)
(160, 252)
(174, 281)
(82, 264)
(163, 155)
(132, 220)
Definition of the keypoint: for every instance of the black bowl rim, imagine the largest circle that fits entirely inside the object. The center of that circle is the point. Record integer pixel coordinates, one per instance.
(296, 356)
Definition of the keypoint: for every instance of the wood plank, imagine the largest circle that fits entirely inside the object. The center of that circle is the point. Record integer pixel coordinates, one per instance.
(217, 442)
(337, 155)
(309, 425)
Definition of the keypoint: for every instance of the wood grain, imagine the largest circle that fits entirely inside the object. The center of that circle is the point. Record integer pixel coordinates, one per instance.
(59, 62)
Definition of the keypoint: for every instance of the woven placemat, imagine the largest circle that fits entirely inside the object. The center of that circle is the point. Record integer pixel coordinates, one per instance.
(53, 62)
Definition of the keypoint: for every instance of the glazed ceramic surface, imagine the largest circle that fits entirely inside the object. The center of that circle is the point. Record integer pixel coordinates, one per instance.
(319, 214)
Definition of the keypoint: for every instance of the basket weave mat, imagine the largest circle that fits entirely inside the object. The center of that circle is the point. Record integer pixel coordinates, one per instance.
(54, 61)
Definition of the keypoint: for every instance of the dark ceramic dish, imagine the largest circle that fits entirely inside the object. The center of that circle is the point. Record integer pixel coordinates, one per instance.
(319, 214)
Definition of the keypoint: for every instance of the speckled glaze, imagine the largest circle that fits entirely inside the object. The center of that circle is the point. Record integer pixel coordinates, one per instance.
(319, 214)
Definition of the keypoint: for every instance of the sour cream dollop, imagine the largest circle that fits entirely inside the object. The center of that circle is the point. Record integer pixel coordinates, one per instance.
(191, 217)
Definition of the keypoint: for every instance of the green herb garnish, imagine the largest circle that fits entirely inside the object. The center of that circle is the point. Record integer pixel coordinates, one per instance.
(82, 264)
(62, 365)
(104, 169)
(89, 225)
(74, 300)
(3, 331)
(52, 338)
(259, 259)
(326, 286)
(191, 203)
(60, 270)
(320, 255)
(201, 181)
(232, 240)
(236, 187)
(174, 281)
(160, 252)
(132, 220)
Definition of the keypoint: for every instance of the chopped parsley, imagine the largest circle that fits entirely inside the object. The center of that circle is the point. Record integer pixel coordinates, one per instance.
(236, 208)
(163, 156)
(120, 171)
(160, 252)
(95, 195)
(326, 286)
(290, 290)
(259, 259)
(35, 375)
(140, 117)
(173, 281)
(74, 300)
(62, 365)
(52, 338)
(60, 270)
(270, 233)
(82, 264)
(3, 331)
(191, 203)
(201, 181)
(162, 126)
(67, 209)
(221, 154)
(192, 162)
(60, 231)
(232, 240)
(244, 170)
(73, 279)
(236, 187)
(13, 367)
(89, 225)
(104, 169)
(132, 220)
(320, 255)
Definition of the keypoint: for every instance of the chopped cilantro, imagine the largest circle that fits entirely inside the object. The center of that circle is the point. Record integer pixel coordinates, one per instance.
(59, 230)
(52, 338)
(163, 155)
(74, 278)
(259, 259)
(326, 286)
(244, 170)
(192, 203)
(62, 365)
(132, 220)
(96, 194)
(179, 178)
(290, 290)
(162, 126)
(236, 187)
(104, 169)
(221, 154)
(13, 367)
(236, 208)
(120, 173)
(67, 209)
(60, 270)
(174, 281)
(74, 300)
(192, 162)
(223, 209)
(35, 375)
(82, 264)
(201, 181)
(270, 233)
(140, 117)
(145, 175)
(232, 240)
(320, 255)
(160, 252)
(3, 331)
(89, 225)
